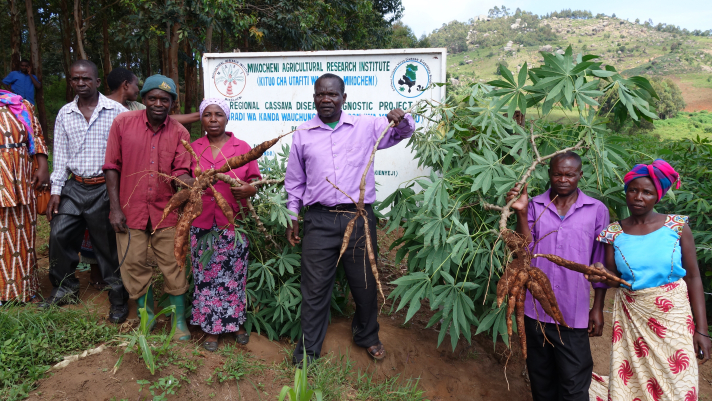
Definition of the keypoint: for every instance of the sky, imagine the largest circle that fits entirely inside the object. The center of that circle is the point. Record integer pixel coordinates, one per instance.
(423, 16)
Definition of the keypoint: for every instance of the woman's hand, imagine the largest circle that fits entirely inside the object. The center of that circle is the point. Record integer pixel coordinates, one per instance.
(702, 346)
(594, 278)
(243, 192)
(40, 178)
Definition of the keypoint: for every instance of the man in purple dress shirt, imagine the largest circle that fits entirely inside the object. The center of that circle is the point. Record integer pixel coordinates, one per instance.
(337, 146)
(560, 368)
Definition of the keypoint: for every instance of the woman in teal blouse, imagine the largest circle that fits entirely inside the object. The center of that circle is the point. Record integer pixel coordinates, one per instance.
(655, 336)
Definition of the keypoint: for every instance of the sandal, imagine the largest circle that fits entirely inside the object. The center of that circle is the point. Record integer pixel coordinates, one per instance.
(378, 351)
(211, 346)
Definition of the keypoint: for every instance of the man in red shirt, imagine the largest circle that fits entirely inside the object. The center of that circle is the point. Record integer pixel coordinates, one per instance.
(143, 154)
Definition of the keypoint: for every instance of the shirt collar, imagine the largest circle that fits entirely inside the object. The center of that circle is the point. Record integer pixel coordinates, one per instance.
(582, 199)
(345, 118)
(103, 103)
(164, 124)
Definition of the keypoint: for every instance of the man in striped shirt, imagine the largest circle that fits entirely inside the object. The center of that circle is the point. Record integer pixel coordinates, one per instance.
(80, 137)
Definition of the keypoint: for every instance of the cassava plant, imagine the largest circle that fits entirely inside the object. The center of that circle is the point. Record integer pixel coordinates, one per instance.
(462, 254)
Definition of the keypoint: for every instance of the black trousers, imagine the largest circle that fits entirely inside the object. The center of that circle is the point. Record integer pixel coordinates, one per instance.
(323, 236)
(562, 371)
(81, 207)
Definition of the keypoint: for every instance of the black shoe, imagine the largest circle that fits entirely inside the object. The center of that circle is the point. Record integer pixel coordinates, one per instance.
(211, 346)
(59, 297)
(300, 362)
(118, 313)
(243, 338)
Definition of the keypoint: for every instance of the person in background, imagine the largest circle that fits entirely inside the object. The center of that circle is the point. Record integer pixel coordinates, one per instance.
(660, 322)
(20, 177)
(143, 154)
(336, 145)
(123, 85)
(567, 221)
(220, 297)
(23, 82)
(80, 137)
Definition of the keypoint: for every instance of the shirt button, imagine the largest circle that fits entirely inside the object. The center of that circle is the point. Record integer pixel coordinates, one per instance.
(212, 199)
(557, 286)
(334, 154)
(153, 147)
(558, 246)
(151, 175)
(151, 161)
(337, 168)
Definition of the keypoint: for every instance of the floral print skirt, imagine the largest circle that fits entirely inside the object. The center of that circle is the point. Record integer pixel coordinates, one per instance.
(653, 356)
(219, 301)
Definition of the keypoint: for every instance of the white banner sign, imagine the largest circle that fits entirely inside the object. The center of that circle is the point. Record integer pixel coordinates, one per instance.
(271, 93)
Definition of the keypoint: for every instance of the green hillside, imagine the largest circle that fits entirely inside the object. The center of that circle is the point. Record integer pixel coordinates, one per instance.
(477, 47)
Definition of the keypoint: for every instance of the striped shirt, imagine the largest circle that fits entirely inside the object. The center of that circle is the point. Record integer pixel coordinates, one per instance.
(80, 146)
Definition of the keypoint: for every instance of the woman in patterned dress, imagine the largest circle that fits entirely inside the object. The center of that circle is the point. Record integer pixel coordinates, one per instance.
(660, 323)
(21, 139)
(220, 300)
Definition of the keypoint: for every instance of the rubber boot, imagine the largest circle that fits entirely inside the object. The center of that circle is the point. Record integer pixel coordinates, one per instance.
(182, 332)
(146, 301)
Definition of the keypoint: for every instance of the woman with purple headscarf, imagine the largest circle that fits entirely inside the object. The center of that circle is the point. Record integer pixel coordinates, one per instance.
(220, 300)
(660, 323)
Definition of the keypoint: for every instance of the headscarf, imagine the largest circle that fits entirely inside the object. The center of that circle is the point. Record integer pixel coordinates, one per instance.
(215, 100)
(14, 102)
(660, 172)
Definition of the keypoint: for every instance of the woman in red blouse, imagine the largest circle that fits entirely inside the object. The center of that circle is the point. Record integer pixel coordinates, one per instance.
(220, 300)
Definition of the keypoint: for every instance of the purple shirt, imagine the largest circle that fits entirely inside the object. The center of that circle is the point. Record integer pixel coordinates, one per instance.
(339, 154)
(573, 238)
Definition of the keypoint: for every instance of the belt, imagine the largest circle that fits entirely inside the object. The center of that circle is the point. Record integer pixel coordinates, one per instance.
(90, 181)
(338, 207)
(13, 145)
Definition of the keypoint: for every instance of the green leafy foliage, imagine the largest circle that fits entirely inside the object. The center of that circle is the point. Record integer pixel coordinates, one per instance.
(142, 342)
(301, 390)
(32, 340)
(477, 153)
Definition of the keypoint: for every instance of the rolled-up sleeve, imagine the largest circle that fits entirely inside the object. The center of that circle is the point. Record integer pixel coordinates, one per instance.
(181, 158)
(113, 158)
(396, 134)
(598, 254)
(295, 179)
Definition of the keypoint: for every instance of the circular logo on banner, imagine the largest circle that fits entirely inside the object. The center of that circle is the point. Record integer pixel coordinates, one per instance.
(410, 77)
(230, 78)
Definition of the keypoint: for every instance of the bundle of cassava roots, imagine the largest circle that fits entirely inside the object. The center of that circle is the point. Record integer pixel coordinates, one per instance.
(191, 197)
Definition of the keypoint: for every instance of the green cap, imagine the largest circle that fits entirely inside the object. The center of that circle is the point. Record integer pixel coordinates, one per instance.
(161, 82)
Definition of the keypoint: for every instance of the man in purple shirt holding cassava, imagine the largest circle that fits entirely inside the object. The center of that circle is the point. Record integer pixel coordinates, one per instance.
(337, 146)
(560, 367)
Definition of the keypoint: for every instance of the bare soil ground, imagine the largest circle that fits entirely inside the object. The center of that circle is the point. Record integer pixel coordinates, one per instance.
(697, 99)
(472, 372)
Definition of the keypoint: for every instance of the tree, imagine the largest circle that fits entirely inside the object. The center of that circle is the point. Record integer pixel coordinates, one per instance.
(36, 67)
(14, 35)
(402, 36)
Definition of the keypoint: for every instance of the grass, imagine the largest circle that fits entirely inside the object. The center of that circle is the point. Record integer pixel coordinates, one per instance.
(685, 125)
(336, 377)
(32, 340)
(698, 80)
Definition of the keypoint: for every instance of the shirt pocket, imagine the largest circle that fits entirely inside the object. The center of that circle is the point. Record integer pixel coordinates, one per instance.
(356, 155)
(165, 161)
